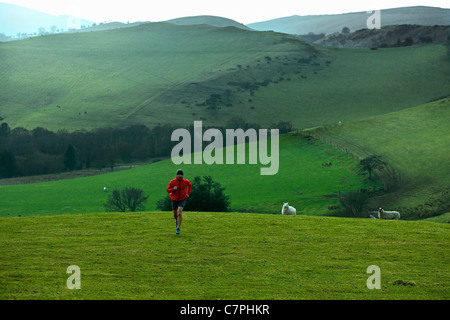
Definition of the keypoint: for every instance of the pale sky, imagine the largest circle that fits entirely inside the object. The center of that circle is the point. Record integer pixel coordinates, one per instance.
(243, 11)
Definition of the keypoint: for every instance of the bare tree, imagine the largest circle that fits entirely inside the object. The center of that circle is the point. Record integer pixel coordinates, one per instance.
(128, 198)
(41, 31)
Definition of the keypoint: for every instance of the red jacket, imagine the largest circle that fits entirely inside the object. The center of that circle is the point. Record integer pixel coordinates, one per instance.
(184, 187)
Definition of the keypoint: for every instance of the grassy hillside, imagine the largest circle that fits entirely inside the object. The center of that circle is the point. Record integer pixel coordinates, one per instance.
(194, 20)
(222, 256)
(16, 19)
(330, 23)
(209, 20)
(301, 180)
(386, 36)
(163, 73)
(359, 84)
(443, 218)
(415, 143)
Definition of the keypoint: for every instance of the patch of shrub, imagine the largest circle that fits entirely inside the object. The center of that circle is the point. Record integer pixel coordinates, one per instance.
(431, 208)
(206, 195)
(352, 203)
(400, 282)
(131, 199)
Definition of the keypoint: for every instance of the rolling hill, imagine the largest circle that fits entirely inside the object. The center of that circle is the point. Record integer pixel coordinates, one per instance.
(208, 20)
(388, 36)
(414, 142)
(184, 21)
(302, 181)
(16, 19)
(351, 103)
(164, 73)
(331, 23)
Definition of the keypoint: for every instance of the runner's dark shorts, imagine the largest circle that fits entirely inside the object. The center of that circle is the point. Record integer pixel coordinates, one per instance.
(176, 204)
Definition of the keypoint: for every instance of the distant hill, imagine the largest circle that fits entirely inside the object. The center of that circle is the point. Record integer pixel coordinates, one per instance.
(414, 143)
(208, 20)
(109, 26)
(184, 21)
(420, 15)
(388, 36)
(158, 73)
(26, 22)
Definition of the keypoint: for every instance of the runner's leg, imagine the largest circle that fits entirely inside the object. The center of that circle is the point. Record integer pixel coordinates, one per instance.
(175, 215)
(180, 216)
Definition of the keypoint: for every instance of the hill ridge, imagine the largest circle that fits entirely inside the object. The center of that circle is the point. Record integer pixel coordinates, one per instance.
(331, 23)
(216, 21)
(95, 79)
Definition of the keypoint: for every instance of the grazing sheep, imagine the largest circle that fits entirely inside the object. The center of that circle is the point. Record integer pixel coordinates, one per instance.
(288, 210)
(105, 189)
(382, 214)
(373, 214)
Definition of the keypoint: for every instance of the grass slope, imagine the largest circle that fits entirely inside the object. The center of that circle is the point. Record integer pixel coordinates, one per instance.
(331, 23)
(209, 20)
(163, 73)
(301, 180)
(443, 218)
(359, 84)
(222, 256)
(414, 141)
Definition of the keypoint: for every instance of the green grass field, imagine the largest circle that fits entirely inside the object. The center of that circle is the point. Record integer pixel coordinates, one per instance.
(221, 256)
(443, 218)
(414, 141)
(301, 181)
(162, 73)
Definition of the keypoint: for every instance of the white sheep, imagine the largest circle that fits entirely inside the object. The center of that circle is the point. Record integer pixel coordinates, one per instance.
(105, 189)
(286, 209)
(382, 214)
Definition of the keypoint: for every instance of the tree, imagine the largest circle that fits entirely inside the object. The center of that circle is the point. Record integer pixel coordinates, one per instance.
(164, 204)
(41, 31)
(7, 164)
(283, 126)
(206, 195)
(426, 39)
(353, 202)
(408, 42)
(70, 158)
(115, 202)
(128, 198)
(5, 130)
(134, 198)
(4, 37)
(370, 163)
(448, 47)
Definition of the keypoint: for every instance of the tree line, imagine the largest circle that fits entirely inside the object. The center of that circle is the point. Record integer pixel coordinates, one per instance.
(38, 151)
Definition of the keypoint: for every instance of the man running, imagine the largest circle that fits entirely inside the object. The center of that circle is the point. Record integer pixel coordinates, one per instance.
(179, 189)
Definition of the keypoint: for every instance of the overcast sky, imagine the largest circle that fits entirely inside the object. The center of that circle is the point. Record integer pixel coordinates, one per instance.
(243, 11)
